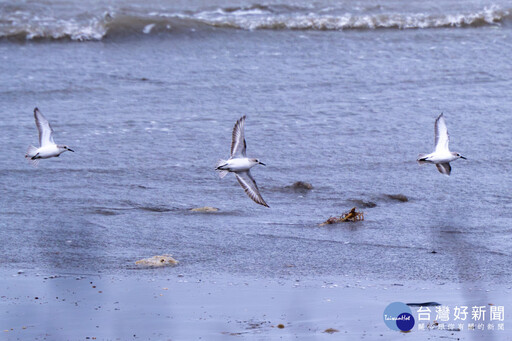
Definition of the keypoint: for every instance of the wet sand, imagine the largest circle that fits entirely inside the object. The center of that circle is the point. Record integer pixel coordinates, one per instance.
(73, 307)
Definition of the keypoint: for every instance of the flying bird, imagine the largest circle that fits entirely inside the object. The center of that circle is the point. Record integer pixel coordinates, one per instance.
(441, 156)
(240, 164)
(47, 147)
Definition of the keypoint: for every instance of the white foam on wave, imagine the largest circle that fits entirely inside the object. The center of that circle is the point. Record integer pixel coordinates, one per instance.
(86, 27)
(147, 29)
(314, 21)
(50, 28)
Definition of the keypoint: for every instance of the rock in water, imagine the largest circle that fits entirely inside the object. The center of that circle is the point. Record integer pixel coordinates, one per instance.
(398, 197)
(301, 186)
(364, 204)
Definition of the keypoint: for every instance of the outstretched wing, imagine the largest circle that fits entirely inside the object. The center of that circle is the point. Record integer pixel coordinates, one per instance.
(444, 168)
(441, 134)
(249, 185)
(45, 130)
(238, 145)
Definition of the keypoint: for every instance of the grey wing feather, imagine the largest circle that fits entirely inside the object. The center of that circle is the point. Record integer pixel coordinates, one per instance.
(441, 134)
(444, 168)
(44, 127)
(249, 185)
(238, 145)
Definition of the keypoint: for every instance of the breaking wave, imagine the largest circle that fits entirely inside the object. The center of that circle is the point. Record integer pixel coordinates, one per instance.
(20, 25)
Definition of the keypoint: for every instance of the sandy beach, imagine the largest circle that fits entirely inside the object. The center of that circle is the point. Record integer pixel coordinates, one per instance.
(176, 307)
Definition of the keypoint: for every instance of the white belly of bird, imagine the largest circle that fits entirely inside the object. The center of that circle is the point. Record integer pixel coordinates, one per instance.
(240, 165)
(48, 151)
(441, 157)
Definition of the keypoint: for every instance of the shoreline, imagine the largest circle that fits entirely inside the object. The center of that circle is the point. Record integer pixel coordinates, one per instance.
(105, 307)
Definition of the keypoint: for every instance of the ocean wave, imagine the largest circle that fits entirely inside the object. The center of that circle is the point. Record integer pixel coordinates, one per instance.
(359, 21)
(25, 26)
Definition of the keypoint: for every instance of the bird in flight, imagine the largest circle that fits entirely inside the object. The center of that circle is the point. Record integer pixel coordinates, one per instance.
(442, 156)
(47, 147)
(240, 165)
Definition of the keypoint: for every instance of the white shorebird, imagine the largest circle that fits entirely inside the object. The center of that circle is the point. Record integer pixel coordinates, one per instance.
(441, 156)
(47, 147)
(240, 164)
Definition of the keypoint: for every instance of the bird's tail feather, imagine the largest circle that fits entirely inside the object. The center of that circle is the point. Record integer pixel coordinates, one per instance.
(31, 152)
(222, 172)
(421, 159)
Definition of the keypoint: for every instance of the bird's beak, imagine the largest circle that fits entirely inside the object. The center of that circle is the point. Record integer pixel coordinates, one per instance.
(462, 157)
(261, 163)
(71, 150)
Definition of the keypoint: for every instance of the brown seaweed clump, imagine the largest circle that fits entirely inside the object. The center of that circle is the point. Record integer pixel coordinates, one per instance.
(158, 261)
(350, 216)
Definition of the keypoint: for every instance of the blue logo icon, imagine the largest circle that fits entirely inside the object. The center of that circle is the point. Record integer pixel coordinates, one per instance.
(398, 316)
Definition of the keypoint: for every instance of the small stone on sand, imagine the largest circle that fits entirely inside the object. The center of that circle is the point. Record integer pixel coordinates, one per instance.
(206, 209)
(158, 261)
(331, 330)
